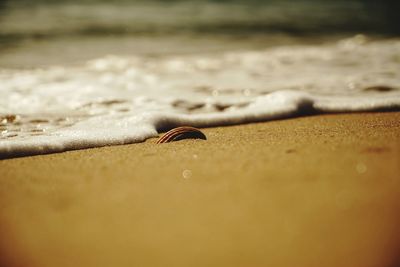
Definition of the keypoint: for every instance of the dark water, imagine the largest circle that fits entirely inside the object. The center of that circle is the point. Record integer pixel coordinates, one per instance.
(21, 19)
(95, 27)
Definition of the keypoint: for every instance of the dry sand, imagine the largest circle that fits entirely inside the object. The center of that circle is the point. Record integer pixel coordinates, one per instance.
(316, 191)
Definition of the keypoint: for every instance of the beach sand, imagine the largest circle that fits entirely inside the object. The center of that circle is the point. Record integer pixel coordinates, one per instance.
(314, 191)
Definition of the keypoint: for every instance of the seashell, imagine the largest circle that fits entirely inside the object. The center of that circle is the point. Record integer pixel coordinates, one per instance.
(180, 133)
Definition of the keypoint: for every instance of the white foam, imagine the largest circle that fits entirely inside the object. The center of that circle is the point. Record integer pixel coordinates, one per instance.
(115, 100)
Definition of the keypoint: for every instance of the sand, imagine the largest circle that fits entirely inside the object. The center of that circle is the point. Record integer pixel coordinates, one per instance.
(314, 191)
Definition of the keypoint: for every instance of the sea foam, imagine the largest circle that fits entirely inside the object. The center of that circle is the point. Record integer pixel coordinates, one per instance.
(119, 100)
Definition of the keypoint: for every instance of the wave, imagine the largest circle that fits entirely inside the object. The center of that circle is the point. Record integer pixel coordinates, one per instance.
(119, 100)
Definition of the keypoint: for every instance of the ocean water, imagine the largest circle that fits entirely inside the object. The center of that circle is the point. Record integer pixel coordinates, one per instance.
(95, 73)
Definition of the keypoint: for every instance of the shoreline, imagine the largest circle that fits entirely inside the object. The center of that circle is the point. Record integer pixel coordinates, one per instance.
(321, 190)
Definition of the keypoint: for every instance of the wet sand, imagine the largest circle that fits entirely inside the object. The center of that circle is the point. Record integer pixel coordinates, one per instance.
(316, 191)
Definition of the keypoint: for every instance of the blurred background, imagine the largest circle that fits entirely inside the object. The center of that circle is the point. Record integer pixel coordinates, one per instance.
(47, 32)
